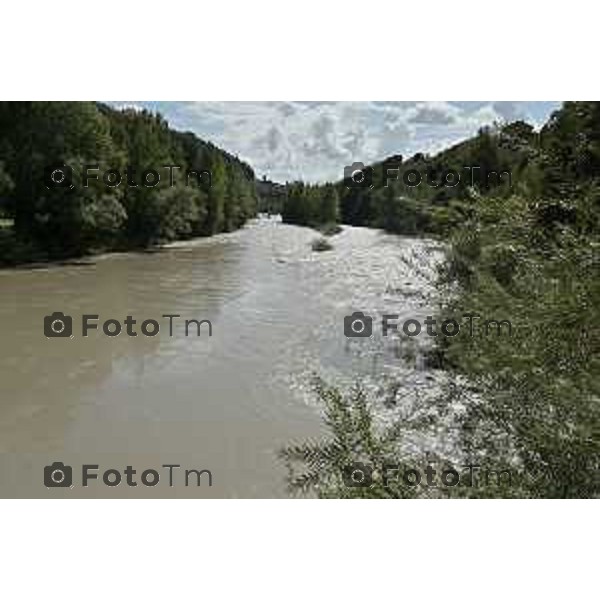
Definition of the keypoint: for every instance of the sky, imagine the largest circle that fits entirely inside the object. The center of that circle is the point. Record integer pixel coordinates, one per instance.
(313, 141)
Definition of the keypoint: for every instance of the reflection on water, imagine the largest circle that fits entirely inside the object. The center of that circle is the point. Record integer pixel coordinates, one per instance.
(226, 403)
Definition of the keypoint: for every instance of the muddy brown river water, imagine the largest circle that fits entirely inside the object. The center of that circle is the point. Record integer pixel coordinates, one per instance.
(225, 402)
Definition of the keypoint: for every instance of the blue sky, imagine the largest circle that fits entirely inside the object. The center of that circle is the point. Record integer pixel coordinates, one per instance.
(314, 140)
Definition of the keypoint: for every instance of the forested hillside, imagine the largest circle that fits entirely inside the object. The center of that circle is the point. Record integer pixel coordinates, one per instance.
(41, 222)
(559, 161)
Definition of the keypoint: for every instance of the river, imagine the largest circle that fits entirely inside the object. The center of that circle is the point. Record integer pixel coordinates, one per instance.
(225, 402)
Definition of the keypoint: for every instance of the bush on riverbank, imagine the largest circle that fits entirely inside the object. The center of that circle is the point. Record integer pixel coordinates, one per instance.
(535, 260)
(321, 245)
(539, 405)
(323, 466)
(361, 458)
(15, 252)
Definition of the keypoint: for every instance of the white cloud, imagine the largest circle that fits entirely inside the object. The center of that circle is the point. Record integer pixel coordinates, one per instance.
(315, 140)
(435, 113)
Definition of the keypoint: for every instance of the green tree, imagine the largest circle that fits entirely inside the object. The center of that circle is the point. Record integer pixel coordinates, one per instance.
(217, 195)
(330, 205)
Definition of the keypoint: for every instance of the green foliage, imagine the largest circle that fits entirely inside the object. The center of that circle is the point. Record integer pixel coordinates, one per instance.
(310, 205)
(481, 166)
(6, 185)
(540, 387)
(176, 215)
(533, 259)
(402, 214)
(355, 438)
(321, 245)
(319, 466)
(329, 211)
(14, 251)
(62, 222)
(216, 195)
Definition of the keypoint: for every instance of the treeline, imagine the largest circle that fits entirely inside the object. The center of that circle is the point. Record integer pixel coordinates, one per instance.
(529, 402)
(417, 195)
(41, 221)
(500, 161)
(310, 205)
(424, 194)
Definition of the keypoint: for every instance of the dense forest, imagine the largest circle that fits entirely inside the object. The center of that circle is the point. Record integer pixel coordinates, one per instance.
(530, 253)
(40, 222)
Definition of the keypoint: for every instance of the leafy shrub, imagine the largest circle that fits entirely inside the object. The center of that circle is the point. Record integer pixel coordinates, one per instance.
(321, 245)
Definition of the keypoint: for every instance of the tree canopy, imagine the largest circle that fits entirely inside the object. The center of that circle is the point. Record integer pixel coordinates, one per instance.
(62, 221)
